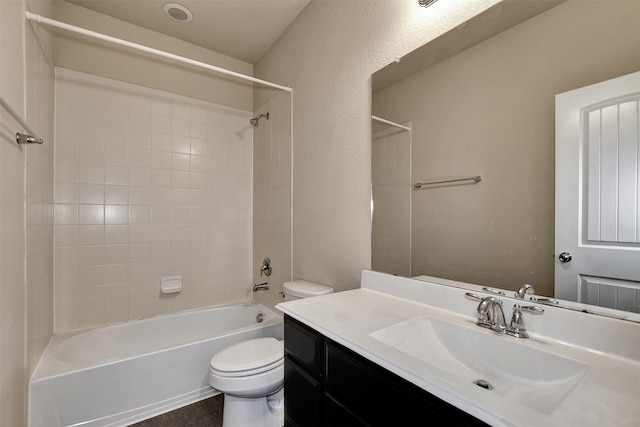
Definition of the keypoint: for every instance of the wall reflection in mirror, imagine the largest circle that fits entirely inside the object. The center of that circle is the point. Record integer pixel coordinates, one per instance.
(480, 101)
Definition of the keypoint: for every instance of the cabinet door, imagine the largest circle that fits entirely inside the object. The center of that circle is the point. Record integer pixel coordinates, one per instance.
(381, 398)
(303, 396)
(304, 345)
(336, 415)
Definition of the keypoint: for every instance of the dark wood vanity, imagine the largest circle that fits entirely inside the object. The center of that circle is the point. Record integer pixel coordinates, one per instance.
(327, 384)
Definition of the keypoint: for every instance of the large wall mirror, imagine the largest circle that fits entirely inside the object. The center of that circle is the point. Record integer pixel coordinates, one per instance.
(480, 101)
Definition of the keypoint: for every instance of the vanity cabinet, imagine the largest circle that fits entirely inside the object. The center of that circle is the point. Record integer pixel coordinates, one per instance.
(328, 385)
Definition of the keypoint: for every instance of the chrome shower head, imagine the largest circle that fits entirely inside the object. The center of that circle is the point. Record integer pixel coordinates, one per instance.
(254, 121)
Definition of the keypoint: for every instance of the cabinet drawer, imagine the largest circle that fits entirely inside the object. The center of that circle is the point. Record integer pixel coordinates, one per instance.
(304, 345)
(380, 397)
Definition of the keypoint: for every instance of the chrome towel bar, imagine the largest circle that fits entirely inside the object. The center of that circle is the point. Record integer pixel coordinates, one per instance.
(20, 137)
(475, 179)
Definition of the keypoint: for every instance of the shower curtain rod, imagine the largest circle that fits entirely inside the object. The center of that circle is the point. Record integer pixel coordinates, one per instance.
(378, 119)
(43, 20)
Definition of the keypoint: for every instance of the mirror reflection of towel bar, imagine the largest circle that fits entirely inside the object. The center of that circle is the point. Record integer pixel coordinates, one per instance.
(475, 179)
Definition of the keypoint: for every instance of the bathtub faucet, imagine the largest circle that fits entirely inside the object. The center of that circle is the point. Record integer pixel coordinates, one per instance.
(261, 286)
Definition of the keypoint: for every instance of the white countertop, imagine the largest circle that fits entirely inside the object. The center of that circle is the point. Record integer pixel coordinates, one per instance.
(607, 395)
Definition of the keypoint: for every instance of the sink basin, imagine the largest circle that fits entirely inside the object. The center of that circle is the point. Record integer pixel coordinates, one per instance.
(535, 378)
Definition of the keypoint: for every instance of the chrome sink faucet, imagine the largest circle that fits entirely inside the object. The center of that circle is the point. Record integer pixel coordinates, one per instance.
(491, 315)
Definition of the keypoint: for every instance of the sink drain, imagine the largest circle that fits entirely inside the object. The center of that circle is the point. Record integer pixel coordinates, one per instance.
(484, 384)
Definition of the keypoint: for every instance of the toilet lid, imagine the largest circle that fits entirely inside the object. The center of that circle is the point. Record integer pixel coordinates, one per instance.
(248, 355)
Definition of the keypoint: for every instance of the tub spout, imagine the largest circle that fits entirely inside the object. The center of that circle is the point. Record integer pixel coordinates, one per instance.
(261, 286)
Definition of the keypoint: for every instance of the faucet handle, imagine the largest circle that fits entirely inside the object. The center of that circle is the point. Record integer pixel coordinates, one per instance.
(533, 309)
(266, 267)
(516, 327)
(524, 290)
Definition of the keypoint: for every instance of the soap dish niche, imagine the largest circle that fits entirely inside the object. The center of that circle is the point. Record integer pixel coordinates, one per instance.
(171, 284)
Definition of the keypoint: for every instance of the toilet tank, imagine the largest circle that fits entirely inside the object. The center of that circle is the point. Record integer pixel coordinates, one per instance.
(298, 289)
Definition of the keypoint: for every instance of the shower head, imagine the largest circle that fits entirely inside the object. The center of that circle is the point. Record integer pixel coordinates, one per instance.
(254, 121)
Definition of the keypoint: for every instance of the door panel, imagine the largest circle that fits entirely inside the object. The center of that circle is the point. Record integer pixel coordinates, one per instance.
(598, 193)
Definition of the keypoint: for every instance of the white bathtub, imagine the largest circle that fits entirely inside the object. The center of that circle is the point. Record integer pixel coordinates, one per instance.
(121, 374)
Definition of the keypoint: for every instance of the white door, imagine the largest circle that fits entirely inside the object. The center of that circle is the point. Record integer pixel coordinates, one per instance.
(597, 247)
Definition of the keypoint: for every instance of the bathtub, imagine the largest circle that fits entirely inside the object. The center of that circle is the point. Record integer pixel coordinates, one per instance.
(121, 374)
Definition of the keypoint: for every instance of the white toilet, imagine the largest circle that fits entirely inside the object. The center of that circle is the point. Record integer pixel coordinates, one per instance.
(251, 373)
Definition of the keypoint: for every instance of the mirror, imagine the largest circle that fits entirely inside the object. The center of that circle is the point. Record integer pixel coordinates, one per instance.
(480, 101)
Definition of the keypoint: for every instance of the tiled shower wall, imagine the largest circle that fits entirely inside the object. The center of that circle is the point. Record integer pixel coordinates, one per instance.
(391, 176)
(272, 196)
(147, 184)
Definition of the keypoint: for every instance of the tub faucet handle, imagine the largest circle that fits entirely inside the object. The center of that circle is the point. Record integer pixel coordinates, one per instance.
(266, 267)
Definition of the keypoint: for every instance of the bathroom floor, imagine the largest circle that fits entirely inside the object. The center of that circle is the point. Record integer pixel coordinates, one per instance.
(206, 413)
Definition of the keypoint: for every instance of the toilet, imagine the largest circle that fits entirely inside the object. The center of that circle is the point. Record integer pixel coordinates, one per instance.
(251, 373)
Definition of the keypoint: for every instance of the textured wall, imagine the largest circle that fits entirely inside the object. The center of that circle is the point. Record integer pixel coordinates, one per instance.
(328, 55)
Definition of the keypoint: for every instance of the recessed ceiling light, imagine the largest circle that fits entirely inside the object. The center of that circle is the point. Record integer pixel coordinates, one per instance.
(177, 12)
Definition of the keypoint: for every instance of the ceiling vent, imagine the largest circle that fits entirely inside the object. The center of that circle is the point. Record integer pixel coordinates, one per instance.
(177, 12)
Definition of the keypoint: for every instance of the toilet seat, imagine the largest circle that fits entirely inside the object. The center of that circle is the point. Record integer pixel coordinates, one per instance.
(246, 358)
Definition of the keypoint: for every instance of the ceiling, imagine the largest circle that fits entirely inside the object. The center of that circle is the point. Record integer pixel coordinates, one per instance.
(242, 29)
(492, 21)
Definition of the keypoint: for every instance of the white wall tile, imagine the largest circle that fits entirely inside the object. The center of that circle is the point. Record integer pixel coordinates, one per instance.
(91, 173)
(90, 193)
(115, 135)
(115, 155)
(67, 192)
(116, 214)
(138, 201)
(140, 195)
(116, 234)
(140, 176)
(180, 179)
(160, 159)
(161, 123)
(116, 194)
(161, 141)
(66, 213)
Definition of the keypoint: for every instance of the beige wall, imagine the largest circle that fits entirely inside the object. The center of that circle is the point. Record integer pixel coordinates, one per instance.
(102, 59)
(490, 111)
(26, 181)
(328, 55)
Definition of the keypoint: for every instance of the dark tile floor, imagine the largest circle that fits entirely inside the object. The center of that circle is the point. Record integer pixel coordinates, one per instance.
(206, 413)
